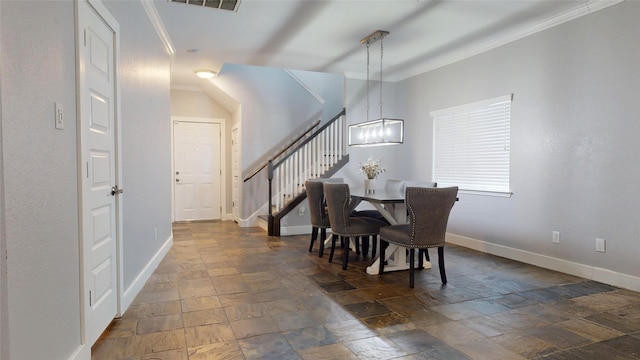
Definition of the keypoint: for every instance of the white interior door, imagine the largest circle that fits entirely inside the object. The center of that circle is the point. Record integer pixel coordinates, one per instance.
(98, 172)
(235, 171)
(197, 170)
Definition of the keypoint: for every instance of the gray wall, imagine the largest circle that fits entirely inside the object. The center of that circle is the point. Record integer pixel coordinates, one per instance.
(356, 105)
(146, 138)
(575, 154)
(273, 105)
(39, 168)
(4, 341)
(40, 185)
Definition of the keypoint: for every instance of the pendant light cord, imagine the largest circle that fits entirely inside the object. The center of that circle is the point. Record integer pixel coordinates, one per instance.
(368, 62)
(381, 53)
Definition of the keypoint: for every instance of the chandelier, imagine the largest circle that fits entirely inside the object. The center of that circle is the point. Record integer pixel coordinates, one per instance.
(381, 131)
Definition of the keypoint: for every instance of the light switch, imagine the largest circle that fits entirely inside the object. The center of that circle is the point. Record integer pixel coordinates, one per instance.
(59, 116)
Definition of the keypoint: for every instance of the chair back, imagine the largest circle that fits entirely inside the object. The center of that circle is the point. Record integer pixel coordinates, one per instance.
(317, 203)
(411, 183)
(429, 210)
(394, 186)
(338, 205)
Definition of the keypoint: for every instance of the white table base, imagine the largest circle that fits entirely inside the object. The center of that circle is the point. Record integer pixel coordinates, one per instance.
(397, 260)
(395, 256)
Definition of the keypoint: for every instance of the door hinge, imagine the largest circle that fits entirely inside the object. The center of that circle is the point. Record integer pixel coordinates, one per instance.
(87, 169)
(89, 298)
(85, 37)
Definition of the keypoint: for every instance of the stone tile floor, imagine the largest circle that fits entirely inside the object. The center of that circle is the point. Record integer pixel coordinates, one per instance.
(225, 292)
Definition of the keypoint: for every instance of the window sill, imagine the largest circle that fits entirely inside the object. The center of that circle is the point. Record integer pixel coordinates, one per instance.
(486, 193)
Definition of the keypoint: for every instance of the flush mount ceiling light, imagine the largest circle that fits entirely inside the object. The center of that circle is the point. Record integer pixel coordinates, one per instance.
(381, 131)
(205, 74)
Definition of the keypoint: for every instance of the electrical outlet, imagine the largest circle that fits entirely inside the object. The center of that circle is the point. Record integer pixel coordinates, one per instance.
(155, 233)
(556, 237)
(600, 245)
(301, 211)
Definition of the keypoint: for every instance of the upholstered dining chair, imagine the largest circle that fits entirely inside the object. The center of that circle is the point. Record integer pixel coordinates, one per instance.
(412, 183)
(429, 210)
(318, 210)
(343, 224)
(392, 185)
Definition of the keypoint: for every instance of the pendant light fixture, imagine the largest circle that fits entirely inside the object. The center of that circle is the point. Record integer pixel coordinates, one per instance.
(381, 131)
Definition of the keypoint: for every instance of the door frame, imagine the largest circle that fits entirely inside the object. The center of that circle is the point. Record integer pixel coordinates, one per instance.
(236, 216)
(223, 160)
(103, 12)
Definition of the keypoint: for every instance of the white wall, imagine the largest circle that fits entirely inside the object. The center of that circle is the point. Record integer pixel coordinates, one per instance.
(198, 104)
(40, 186)
(575, 156)
(146, 143)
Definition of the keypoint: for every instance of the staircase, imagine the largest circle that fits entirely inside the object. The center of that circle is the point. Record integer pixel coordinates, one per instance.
(320, 155)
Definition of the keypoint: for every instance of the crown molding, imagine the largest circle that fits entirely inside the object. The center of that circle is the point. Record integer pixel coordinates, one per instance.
(317, 96)
(158, 24)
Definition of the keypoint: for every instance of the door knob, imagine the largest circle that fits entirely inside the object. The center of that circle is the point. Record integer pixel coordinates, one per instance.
(115, 190)
(177, 180)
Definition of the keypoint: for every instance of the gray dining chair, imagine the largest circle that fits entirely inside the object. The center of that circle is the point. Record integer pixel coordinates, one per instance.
(343, 223)
(392, 185)
(412, 183)
(429, 210)
(318, 210)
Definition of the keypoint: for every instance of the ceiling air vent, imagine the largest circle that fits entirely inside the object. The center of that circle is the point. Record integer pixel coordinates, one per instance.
(215, 4)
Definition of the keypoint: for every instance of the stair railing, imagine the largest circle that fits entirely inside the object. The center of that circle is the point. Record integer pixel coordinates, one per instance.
(312, 158)
(287, 148)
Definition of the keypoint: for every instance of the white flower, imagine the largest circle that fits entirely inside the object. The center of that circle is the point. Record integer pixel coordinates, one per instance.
(372, 168)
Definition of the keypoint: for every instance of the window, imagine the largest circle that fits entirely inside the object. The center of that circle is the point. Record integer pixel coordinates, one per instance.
(471, 146)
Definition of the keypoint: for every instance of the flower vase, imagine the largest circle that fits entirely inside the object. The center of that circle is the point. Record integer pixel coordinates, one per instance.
(370, 186)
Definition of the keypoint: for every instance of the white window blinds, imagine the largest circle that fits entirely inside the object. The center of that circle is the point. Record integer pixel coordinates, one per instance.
(472, 145)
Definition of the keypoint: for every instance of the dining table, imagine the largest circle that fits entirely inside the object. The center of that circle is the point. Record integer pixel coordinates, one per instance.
(391, 205)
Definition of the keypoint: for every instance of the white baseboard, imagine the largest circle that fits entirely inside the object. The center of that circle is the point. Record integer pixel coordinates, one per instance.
(261, 223)
(253, 219)
(228, 217)
(295, 230)
(246, 222)
(83, 352)
(585, 271)
(134, 289)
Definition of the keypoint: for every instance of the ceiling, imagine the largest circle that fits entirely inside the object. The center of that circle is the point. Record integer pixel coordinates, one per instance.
(324, 35)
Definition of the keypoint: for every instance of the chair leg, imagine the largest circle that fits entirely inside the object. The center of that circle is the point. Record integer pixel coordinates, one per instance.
(420, 259)
(333, 246)
(426, 254)
(443, 275)
(374, 246)
(345, 261)
(412, 259)
(365, 245)
(356, 240)
(323, 237)
(314, 236)
(383, 247)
